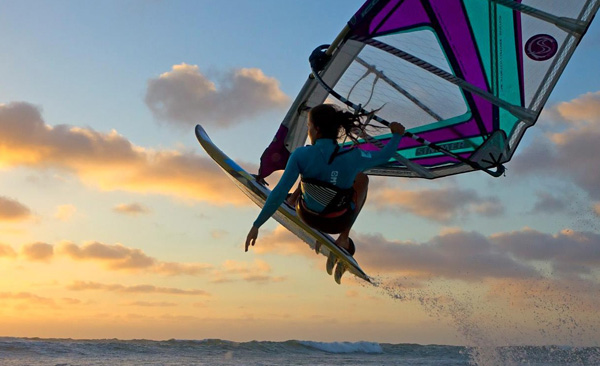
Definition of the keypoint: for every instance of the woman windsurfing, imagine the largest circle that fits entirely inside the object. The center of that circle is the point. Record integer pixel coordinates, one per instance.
(333, 187)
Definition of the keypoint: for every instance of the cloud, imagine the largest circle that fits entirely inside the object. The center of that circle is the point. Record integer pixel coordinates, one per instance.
(585, 108)
(152, 304)
(12, 210)
(460, 255)
(120, 257)
(7, 251)
(597, 208)
(105, 160)
(65, 212)
(442, 205)
(185, 97)
(71, 301)
(42, 252)
(131, 209)
(281, 241)
(115, 256)
(549, 203)
(257, 272)
(29, 297)
(470, 256)
(568, 252)
(572, 153)
(467, 256)
(178, 269)
(143, 289)
(454, 254)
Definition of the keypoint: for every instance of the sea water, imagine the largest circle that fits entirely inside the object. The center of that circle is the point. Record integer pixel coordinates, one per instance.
(70, 352)
(477, 325)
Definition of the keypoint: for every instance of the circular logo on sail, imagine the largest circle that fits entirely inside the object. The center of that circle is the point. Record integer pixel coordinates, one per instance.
(541, 47)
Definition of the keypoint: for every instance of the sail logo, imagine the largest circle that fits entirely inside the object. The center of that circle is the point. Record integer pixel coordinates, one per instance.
(541, 47)
(453, 146)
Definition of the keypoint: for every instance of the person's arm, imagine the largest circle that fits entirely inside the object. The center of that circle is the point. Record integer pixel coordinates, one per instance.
(279, 193)
(375, 158)
(275, 199)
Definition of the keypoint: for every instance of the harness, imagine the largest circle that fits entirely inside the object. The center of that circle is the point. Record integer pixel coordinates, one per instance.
(335, 200)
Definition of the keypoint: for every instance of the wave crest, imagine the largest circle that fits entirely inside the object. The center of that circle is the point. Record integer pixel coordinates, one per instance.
(344, 347)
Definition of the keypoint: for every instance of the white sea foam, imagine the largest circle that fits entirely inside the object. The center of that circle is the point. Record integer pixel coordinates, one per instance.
(558, 315)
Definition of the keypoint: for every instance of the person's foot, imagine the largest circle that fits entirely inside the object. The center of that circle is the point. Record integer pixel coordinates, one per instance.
(343, 243)
(331, 261)
(346, 244)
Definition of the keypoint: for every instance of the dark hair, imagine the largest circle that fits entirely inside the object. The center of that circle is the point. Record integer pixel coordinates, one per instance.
(334, 123)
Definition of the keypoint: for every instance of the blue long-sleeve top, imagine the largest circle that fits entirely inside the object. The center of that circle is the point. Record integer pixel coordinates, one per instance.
(312, 162)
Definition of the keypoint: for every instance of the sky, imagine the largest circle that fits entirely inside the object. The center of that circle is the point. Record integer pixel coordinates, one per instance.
(114, 223)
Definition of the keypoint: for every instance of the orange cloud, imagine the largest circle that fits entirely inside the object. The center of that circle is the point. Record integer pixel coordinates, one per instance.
(184, 96)
(144, 289)
(71, 301)
(177, 269)
(65, 212)
(115, 256)
(281, 241)
(105, 160)
(441, 205)
(572, 153)
(467, 256)
(258, 271)
(7, 251)
(28, 297)
(470, 256)
(131, 209)
(12, 210)
(38, 252)
(584, 108)
(152, 304)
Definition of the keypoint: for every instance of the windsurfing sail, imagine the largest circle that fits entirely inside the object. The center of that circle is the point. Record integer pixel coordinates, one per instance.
(466, 77)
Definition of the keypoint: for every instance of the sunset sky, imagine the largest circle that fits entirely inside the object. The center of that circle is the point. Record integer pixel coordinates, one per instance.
(114, 223)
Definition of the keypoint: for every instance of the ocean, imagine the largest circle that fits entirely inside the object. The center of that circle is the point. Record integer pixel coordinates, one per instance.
(213, 352)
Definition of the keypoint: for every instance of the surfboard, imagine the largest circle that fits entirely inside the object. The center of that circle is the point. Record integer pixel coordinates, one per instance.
(320, 242)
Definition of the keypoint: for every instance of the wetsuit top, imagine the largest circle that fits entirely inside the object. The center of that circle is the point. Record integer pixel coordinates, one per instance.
(312, 162)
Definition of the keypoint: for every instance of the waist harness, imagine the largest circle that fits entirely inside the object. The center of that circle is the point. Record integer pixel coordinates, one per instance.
(334, 199)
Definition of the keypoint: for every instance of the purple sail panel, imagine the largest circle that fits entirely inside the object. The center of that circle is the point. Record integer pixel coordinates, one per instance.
(455, 28)
(379, 17)
(275, 157)
(361, 21)
(398, 15)
(447, 134)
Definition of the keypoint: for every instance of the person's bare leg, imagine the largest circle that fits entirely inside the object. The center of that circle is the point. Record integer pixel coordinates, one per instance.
(293, 199)
(361, 186)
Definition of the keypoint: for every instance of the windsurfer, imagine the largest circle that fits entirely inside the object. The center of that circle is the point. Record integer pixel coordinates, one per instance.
(333, 187)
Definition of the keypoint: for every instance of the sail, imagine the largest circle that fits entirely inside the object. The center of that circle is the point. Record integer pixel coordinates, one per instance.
(466, 78)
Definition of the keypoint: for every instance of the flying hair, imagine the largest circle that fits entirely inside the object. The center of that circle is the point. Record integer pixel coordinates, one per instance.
(335, 123)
